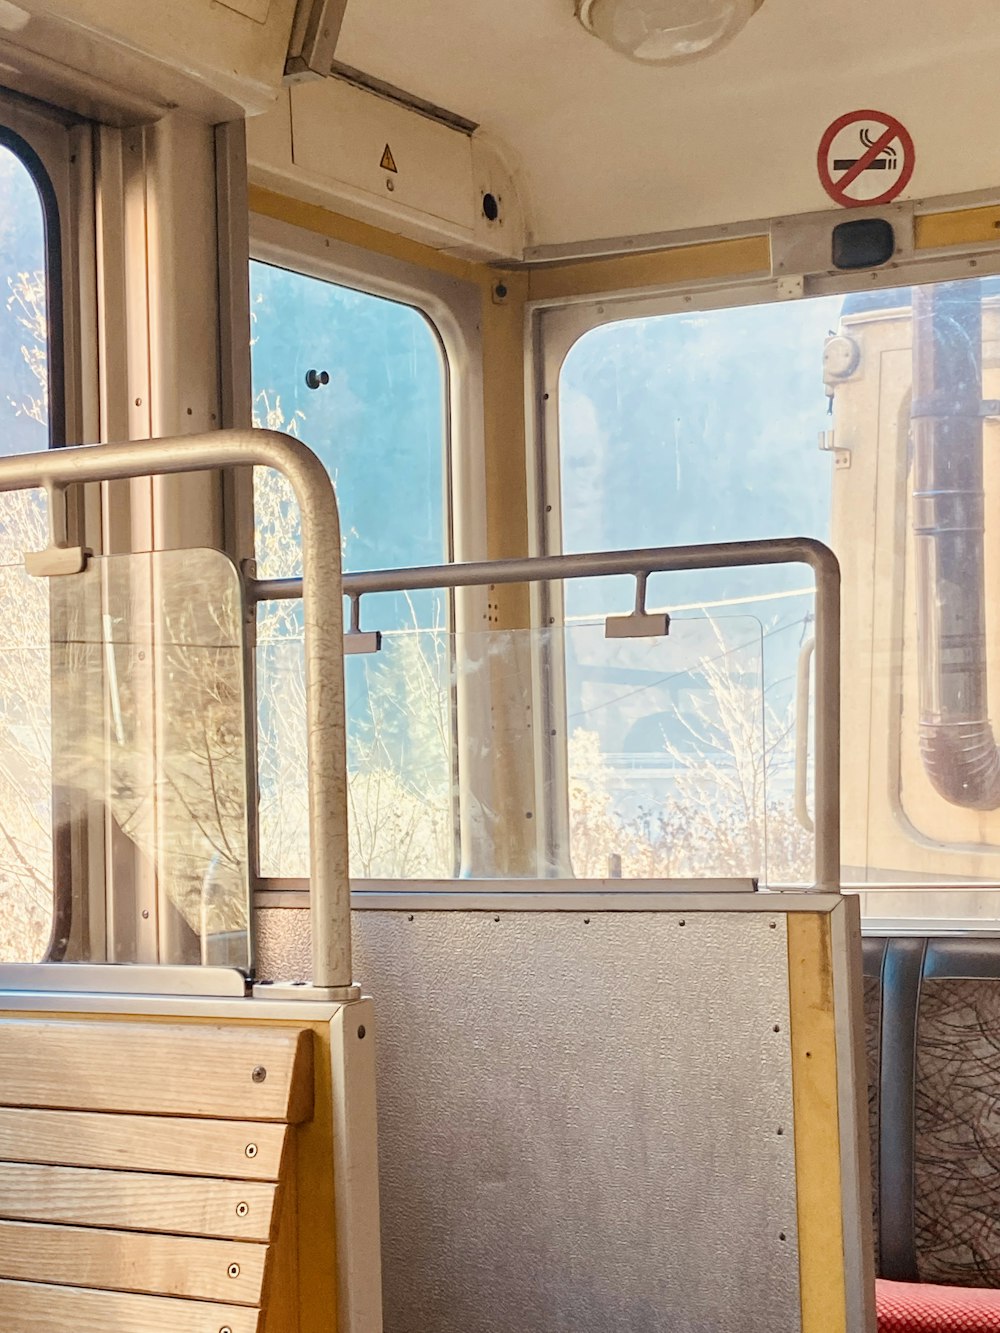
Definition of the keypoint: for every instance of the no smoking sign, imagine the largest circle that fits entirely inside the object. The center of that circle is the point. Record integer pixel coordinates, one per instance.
(865, 157)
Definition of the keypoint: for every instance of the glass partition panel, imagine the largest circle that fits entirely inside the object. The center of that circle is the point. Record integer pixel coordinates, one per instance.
(400, 752)
(128, 714)
(665, 758)
(676, 765)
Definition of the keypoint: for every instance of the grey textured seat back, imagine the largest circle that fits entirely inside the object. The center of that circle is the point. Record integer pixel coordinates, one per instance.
(932, 1007)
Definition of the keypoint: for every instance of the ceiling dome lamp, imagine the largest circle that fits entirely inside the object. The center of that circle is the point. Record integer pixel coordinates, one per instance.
(665, 32)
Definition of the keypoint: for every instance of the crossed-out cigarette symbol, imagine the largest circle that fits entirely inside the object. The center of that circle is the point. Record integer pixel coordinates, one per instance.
(886, 160)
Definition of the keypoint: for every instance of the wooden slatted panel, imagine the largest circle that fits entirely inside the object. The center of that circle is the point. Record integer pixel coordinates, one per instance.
(223, 1148)
(28, 1308)
(158, 1069)
(209, 1270)
(132, 1201)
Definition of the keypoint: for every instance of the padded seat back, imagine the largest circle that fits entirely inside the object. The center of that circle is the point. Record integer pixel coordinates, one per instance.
(932, 1007)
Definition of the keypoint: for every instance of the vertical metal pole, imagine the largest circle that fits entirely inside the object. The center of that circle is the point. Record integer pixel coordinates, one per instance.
(827, 818)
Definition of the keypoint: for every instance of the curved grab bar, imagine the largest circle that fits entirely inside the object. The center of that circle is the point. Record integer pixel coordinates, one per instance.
(57, 469)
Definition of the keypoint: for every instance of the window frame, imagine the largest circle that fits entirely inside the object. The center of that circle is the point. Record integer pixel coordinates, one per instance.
(452, 311)
(558, 323)
(56, 150)
(19, 146)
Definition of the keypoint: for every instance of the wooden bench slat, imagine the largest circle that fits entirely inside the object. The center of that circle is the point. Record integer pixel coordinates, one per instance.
(143, 1143)
(30, 1308)
(133, 1261)
(158, 1068)
(132, 1201)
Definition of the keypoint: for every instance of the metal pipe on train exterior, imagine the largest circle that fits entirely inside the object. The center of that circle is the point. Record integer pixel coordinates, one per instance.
(639, 564)
(320, 590)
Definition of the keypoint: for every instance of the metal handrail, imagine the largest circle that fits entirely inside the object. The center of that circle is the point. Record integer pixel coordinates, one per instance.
(640, 564)
(320, 590)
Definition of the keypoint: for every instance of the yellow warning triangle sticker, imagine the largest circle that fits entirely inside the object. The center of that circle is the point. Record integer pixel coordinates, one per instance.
(388, 162)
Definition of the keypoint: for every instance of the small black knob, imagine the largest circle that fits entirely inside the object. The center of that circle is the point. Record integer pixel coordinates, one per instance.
(315, 379)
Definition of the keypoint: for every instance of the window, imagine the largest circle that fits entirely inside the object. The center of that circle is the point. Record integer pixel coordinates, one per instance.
(28, 228)
(363, 381)
(825, 417)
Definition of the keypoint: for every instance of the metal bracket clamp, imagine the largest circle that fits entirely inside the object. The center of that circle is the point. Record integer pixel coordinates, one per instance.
(58, 558)
(356, 640)
(302, 990)
(56, 561)
(641, 624)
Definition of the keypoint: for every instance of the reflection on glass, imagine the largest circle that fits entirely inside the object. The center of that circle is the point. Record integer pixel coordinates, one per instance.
(703, 426)
(26, 872)
(24, 398)
(132, 679)
(399, 752)
(378, 423)
(677, 763)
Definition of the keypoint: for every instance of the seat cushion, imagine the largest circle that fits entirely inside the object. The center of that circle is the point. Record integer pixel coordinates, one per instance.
(919, 1307)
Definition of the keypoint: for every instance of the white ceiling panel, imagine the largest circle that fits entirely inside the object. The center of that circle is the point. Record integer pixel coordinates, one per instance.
(606, 147)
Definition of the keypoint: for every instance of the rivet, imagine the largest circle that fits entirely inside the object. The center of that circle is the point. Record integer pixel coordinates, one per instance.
(233, 1270)
(259, 1074)
(497, 920)
(389, 186)
(772, 925)
(225, 1329)
(242, 1209)
(782, 1236)
(251, 1150)
(362, 1032)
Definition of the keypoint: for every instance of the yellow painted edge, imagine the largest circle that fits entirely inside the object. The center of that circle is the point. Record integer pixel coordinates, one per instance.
(966, 226)
(822, 1274)
(740, 257)
(324, 222)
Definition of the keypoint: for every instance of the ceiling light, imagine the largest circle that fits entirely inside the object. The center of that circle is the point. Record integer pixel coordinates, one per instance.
(665, 32)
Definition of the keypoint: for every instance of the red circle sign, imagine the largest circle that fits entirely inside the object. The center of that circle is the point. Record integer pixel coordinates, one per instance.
(865, 158)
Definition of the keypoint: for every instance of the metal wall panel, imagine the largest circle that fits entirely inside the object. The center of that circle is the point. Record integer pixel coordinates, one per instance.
(585, 1121)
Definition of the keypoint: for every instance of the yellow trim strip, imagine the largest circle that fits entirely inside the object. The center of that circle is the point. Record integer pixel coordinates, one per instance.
(741, 257)
(967, 226)
(311, 217)
(822, 1273)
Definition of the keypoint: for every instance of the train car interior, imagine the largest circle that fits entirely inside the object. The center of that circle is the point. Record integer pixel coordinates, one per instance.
(499, 645)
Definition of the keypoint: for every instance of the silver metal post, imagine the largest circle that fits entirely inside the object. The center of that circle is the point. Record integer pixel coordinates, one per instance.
(320, 590)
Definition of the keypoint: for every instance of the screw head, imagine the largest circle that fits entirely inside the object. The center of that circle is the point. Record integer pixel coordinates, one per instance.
(233, 1270)
(242, 1209)
(225, 1329)
(251, 1150)
(259, 1074)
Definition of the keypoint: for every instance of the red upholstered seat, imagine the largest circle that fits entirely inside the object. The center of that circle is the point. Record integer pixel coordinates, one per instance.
(919, 1307)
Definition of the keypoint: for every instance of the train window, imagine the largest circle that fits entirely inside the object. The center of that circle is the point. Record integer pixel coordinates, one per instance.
(27, 224)
(363, 380)
(694, 427)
